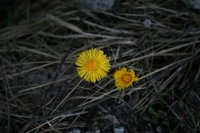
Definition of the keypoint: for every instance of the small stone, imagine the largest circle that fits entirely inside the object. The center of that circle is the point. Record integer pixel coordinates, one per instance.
(75, 131)
(97, 5)
(147, 23)
(119, 130)
(194, 4)
(159, 129)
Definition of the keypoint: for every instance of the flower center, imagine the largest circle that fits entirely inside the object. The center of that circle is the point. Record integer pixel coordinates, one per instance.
(92, 65)
(126, 78)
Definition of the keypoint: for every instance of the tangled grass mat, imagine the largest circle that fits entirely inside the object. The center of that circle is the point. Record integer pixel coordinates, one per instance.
(41, 91)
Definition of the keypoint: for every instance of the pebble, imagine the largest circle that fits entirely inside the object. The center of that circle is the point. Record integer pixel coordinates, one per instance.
(97, 5)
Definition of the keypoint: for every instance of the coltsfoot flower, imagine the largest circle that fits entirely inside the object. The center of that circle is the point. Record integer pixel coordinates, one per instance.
(92, 65)
(124, 78)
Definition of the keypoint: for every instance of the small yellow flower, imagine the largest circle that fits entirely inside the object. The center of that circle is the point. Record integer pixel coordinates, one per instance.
(92, 65)
(124, 78)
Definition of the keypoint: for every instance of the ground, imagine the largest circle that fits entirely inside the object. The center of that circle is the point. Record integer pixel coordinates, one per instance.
(41, 91)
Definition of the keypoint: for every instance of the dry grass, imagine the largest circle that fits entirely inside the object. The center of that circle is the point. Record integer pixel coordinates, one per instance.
(41, 91)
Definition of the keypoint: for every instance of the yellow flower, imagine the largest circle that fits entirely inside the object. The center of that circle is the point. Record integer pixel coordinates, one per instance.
(92, 65)
(124, 78)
